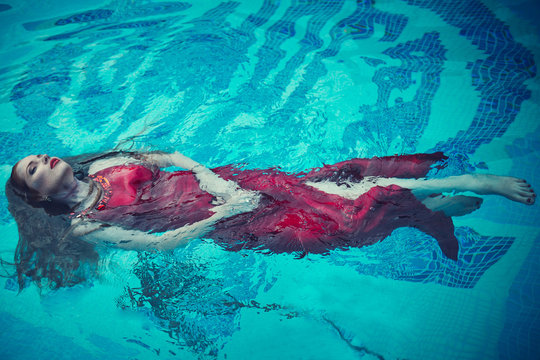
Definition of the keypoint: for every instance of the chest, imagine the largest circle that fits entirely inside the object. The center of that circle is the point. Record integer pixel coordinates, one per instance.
(126, 183)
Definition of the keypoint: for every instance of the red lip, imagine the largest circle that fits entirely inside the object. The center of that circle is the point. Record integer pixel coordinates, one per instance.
(53, 162)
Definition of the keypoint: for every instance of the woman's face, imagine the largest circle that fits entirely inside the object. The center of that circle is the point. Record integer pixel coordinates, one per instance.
(47, 176)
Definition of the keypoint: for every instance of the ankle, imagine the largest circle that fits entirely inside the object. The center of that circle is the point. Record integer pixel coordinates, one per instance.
(481, 183)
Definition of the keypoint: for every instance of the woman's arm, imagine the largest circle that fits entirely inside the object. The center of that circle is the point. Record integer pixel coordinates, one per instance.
(162, 159)
(139, 240)
(208, 180)
(100, 233)
(158, 158)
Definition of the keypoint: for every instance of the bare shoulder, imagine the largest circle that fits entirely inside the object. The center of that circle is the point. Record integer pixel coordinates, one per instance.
(109, 162)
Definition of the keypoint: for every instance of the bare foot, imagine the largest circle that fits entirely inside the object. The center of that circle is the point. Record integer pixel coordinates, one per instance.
(510, 187)
(457, 205)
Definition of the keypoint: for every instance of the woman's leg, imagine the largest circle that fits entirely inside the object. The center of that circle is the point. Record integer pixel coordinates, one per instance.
(510, 187)
(429, 190)
(397, 166)
(457, 205)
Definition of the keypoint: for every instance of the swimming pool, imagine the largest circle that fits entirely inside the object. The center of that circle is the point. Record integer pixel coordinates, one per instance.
(293, 84)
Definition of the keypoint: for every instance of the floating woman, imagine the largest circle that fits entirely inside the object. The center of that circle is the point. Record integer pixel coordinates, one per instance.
(127, 201)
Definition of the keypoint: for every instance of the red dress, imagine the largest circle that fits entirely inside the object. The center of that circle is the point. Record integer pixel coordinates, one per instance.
(291, 216)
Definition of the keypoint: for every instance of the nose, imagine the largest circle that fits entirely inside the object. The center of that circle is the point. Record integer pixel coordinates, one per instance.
(45, 158)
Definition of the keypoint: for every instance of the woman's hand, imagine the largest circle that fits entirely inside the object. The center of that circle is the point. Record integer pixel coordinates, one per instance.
(232, 199)
(239, 202)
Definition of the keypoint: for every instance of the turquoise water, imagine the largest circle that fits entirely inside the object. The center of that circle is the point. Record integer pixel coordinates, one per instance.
(294, 84)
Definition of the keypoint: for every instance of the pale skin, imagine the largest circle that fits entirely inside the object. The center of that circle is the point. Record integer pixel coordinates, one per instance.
(53, 178)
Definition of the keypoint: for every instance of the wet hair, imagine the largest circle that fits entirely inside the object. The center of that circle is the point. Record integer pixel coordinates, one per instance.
(47, 253)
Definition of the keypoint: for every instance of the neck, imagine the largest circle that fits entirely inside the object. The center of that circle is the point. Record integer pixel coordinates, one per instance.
(79, 193)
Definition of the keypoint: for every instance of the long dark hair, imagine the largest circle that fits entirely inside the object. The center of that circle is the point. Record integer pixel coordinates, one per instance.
(47, 253)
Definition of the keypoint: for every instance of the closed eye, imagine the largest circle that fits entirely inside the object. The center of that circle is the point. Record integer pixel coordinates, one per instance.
(31, 168)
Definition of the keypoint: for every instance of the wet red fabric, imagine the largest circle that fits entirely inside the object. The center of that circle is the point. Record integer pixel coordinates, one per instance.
(291, 216)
